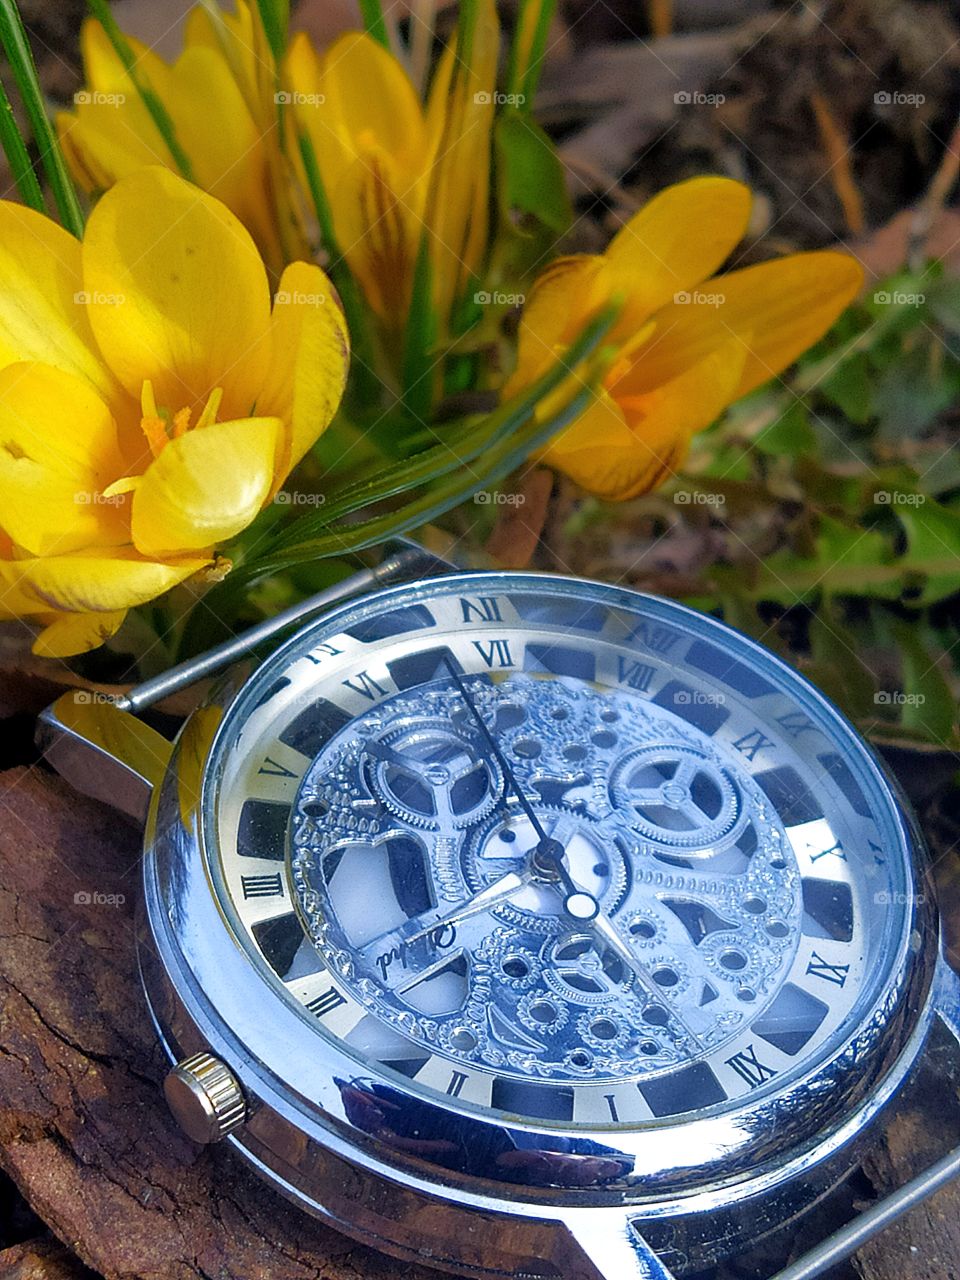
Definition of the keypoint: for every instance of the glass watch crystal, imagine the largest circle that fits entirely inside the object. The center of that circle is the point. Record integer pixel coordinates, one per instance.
(560, 852)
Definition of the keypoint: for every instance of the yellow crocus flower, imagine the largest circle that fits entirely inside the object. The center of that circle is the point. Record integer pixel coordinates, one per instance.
(689, 342)
(395, 169)
(219, 94)
(151, 402)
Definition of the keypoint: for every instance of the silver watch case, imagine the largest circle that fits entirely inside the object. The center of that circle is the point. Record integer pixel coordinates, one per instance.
(434, 1188)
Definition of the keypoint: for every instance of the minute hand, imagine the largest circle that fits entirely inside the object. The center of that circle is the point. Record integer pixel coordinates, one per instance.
(498, 753)
(608, 931)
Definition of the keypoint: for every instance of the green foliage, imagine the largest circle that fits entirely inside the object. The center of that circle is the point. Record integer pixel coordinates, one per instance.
(839, 491)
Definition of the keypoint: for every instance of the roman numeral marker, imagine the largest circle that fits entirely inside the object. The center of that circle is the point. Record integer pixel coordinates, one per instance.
(275, 770)
(820, 968)
(364, 683)
(497, 652)
(752, 743)
(483, 608)
(262, 886)
(320, 1006)
(636, 675)
(749, 1067)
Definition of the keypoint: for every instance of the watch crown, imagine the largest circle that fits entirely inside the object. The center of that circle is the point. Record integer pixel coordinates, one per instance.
(205, 1098)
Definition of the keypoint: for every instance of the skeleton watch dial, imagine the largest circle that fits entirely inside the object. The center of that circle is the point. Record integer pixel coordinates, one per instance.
(569, 854)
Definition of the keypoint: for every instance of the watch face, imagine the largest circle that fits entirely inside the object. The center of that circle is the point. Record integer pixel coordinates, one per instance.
(556, 851)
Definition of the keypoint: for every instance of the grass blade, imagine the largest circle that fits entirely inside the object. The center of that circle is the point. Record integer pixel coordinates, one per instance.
(153, 103)
(510, 433)
(15, 149)
(17, 48)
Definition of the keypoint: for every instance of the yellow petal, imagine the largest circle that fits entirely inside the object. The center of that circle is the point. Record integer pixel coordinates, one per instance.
(628, 444)
(372, 154)
(460, 122)
(58, 452)
(227, 154)
(555, 314)
(74, 633)
(205, 487)
(391, 116)
(775, 310)
(111, 133)
(178, 293)
(311, 357)
(678, 239)
(91, 582)
(42, 311)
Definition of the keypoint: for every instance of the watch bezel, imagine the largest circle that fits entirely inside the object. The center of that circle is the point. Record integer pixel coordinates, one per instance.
(669, 1158)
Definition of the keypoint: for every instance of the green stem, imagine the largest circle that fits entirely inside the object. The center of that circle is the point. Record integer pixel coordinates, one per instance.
(350, 295)
(275, 17)
(17, 48)
(153, 103)
(15, 149)
(526, 60)
(372, 13)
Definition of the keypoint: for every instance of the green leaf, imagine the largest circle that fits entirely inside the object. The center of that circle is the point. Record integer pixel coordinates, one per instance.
(928, 706)
(933, 547)
(836, 666)
(15, 149)
(790, 434)
(419, 339)
(13, 37)
(850, 388)
(531, 181)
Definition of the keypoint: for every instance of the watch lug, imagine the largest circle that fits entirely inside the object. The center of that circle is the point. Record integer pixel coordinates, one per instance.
(948, 996)
(612, 1250)
(103, 752)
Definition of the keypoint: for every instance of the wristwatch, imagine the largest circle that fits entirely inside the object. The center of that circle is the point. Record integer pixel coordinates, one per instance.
(525, 926)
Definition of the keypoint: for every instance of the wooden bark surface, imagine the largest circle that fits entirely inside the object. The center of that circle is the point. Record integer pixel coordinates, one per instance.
(86, 1137)
(83, 1128)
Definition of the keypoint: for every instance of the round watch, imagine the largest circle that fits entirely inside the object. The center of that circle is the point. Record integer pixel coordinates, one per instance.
(524, 925)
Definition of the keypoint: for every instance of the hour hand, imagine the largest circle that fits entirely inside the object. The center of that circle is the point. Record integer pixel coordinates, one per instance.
(418, 928)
